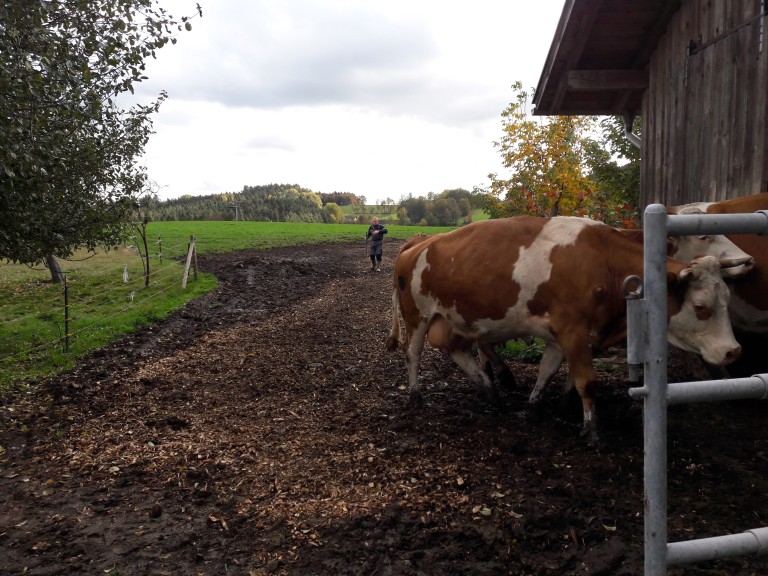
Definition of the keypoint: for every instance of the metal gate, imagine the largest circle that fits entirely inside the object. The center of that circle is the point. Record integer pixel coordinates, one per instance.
(647, 346)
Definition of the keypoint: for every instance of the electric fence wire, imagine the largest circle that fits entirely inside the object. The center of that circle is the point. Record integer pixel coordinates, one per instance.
(134, 304)
(121, 285)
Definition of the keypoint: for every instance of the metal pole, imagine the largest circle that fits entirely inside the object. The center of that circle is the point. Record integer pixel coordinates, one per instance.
(755, 387)
(655, 403)
(753, 542)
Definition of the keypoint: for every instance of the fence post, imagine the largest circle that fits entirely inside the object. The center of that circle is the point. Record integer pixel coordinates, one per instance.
(657, 393)
(66, 315)
(190, 252)
(655, 409)
(194, 262)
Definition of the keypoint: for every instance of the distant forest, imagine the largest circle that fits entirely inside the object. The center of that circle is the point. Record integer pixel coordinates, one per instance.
(292, 203)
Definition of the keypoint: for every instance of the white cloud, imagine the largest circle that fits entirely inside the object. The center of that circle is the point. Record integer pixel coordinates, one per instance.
(378, 99)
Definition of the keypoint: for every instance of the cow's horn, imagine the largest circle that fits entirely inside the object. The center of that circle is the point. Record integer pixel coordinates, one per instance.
(733, 262)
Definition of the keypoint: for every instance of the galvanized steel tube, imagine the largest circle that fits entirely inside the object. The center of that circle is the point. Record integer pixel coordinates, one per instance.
(698, 224)
(749, 542)
(714, 390)
(655, 402)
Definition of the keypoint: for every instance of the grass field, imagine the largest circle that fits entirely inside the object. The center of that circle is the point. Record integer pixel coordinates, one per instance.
(39, 335)
(217, 237)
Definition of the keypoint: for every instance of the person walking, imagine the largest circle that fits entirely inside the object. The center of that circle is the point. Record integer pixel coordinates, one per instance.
(375, 234)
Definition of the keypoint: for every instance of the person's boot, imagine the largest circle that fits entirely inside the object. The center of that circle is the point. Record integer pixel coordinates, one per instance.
(378, 265)
(373, 264)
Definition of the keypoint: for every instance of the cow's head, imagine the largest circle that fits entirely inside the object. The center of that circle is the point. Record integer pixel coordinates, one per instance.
(699, 323)
(686, 248)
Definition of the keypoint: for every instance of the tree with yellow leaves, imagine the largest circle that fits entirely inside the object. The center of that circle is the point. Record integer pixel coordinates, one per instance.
(556, 167)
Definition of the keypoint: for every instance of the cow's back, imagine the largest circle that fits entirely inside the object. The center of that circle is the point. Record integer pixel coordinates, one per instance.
(496, 276)
(469, 269)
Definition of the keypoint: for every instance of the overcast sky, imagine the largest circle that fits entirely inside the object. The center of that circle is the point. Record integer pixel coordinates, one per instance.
(379, 98)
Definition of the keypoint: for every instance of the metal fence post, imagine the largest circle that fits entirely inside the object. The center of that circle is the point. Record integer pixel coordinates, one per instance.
(655, 409)
(647, 342)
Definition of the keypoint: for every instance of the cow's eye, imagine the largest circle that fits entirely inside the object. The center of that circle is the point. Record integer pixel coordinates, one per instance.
(704, 237)
(702, 312)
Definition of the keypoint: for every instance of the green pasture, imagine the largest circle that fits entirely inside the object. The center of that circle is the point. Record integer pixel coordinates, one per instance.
(217, 237)
(102, 305)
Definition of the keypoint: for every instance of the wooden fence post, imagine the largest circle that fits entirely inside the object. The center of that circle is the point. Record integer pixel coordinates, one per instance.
(66, 315)
(190, 253)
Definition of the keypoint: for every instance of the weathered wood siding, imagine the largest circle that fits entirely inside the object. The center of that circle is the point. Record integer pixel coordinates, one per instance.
(705, 123)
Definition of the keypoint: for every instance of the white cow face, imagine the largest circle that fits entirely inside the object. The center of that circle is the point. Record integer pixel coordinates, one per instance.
(686, 248)
(702, 325)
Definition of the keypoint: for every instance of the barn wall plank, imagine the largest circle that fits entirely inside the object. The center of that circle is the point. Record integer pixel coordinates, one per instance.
(705, 123)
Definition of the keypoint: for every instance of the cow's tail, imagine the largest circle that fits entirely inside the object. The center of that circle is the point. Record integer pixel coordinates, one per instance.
(394, 340)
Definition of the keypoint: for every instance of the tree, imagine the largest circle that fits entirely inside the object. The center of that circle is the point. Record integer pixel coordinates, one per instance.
(442, 212)
(614, 166)
(548, 176)
(68, 156)
(465, 207)
(415, 208)
(565, 165)
(333, 213)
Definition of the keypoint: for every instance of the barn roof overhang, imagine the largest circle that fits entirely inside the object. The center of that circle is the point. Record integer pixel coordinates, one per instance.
(598, 61)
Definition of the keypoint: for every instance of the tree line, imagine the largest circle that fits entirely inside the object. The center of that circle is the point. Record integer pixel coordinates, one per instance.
(293, 203)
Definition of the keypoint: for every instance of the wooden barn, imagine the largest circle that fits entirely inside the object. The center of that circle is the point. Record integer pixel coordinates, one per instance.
(696, 71)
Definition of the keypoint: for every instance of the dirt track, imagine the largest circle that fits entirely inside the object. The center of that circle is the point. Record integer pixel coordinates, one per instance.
(263, 430)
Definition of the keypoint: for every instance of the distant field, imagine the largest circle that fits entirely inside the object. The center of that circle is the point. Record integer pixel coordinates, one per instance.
(217, 237)
(106, 291)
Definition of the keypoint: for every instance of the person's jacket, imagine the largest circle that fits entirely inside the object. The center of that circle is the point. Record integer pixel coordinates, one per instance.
(376, 237)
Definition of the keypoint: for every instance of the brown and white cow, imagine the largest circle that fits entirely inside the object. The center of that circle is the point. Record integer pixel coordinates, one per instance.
(559, 279)
(682, 248)
(748, 308)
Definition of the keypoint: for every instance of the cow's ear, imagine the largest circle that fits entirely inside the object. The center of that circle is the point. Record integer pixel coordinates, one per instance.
(675, 279)
(672, 244)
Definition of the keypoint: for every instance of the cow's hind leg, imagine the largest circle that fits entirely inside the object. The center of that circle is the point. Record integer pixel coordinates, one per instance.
(585, 381)
(462, 355)
(413, 353)
(550, 362)
(494, 365)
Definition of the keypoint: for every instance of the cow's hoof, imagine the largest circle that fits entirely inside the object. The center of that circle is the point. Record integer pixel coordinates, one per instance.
(593, 440)
(415, 400)
(596, 443)
(535, 412)
(507, 379)
(492, 398)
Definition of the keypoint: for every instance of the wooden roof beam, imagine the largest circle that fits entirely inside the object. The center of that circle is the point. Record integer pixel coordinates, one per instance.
(574, 46)
(607, 80)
